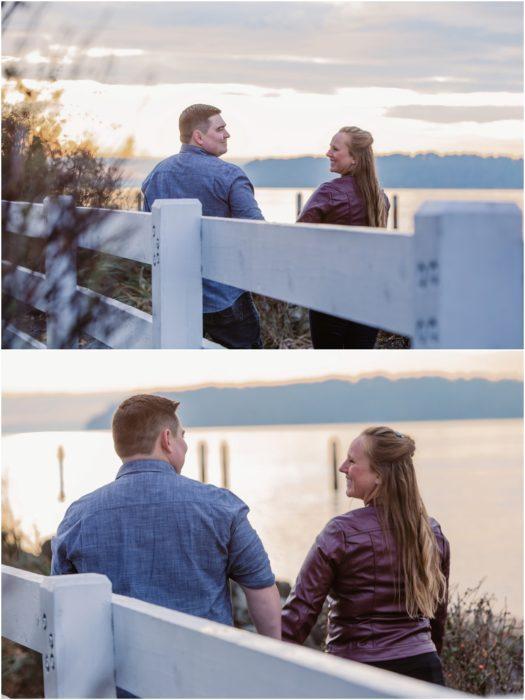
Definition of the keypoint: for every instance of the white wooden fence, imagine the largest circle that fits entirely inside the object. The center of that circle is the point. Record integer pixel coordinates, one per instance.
(456, 282)
(92, 641)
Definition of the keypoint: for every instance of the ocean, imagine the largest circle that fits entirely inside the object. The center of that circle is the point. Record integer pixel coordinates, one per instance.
(470, 475)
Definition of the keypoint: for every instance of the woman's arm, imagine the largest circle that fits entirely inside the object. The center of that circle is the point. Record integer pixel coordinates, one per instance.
(316, 208)
(313, 584)
(437, 624)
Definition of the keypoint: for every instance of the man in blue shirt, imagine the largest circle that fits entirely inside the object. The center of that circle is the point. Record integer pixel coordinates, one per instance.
(164, 538)
(197, 172)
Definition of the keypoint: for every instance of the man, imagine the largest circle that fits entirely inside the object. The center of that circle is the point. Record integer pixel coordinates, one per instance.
(162, 537)
(197, 172)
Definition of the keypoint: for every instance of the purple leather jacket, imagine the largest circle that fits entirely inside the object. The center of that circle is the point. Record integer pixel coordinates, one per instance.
(351, 561)
(338, 201)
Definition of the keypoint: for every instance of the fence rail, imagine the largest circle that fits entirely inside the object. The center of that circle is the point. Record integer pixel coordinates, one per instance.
(456, 282)
(92, 641)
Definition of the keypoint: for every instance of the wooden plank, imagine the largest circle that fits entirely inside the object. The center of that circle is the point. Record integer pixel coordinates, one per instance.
(78, 656)
(24, 218)
(21, 612)
(18, 340)
(469, 275)
(25, 285)
(116, 324)
(162, 653)
(61, 273)
(176, 280)
(360, 273)
(126, 234)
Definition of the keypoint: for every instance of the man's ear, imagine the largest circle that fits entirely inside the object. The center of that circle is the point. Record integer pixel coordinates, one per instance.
(197, 137)
(165, 439)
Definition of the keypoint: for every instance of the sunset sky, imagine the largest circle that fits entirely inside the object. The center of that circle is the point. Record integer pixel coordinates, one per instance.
(421, 76)
(92, 371)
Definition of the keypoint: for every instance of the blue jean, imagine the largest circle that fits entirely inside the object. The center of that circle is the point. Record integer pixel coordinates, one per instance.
(237, 326)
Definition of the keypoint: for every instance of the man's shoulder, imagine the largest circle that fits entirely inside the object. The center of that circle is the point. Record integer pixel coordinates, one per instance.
(166, 164)
(213, 495)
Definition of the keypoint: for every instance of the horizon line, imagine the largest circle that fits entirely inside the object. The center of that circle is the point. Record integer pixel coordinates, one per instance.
(420, 374)
(411, 154)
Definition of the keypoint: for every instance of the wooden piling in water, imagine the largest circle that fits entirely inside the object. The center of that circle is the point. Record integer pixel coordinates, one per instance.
(203, 461)
(225, 465)
(395, 211)
(299, 204)
(60, 457)
(334, 461)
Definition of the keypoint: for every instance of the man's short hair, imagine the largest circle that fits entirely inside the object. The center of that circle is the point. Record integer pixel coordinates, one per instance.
(138, 421)
(195, 117)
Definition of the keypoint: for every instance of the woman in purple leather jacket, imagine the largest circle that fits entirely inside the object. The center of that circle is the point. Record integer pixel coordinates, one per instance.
(384, 567)
(354, 199)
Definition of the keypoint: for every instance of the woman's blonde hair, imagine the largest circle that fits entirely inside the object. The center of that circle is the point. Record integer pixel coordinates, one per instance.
(360, 147)
(403, 511)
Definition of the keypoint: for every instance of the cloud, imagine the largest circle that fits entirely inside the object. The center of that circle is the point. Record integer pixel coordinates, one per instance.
(448, 115)
(314, 47)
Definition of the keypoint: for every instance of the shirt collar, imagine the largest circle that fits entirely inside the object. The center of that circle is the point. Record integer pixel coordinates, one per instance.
(145, 465)
(190, 148)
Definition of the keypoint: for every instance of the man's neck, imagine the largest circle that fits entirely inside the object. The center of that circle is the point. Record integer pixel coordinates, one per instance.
(156, 457)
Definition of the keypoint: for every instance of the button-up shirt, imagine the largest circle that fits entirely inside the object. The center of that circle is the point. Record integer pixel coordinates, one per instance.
(164, 538)
(222, 188)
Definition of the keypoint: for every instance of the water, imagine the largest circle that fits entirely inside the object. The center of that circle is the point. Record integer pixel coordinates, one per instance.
(279, 204)
(470, 474)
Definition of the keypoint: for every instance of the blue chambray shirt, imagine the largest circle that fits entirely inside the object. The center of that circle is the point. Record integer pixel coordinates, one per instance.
(223, 190)
(163, 538)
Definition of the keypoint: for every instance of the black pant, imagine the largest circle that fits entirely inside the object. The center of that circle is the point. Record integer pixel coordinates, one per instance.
(235, 327)
(331, 332)
(424, 667)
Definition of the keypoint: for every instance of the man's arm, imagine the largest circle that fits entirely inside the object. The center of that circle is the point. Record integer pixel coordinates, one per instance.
(243, 204)
(264, 606)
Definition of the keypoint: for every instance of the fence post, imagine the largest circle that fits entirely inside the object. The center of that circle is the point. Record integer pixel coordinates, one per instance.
(468, 275)
(177, 273)
(61, 272)
(78, 654)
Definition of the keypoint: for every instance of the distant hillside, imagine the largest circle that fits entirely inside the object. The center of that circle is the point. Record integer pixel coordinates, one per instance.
(373, 400)
(425, 171)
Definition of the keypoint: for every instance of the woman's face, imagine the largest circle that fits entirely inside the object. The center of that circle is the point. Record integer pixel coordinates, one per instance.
(340, 159)
(361, 479)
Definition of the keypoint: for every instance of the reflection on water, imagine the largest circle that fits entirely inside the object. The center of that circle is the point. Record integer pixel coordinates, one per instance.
(470, 474)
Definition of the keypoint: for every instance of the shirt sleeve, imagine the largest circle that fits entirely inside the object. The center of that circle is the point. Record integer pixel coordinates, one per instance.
(242, 200)
(68, 534)
(248, 562)
(317, 207)
(313, 584)
(437, 624)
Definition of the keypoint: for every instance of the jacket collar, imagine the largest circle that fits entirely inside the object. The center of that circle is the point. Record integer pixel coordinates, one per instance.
(189, 148)
(138, 466)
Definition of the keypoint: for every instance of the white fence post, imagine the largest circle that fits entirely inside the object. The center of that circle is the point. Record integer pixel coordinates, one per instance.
(177, 273)
(468, 275)
(78, 656)
(61, 272)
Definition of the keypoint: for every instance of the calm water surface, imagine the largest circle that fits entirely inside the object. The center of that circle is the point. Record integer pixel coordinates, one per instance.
(470, 474)
(279, 204)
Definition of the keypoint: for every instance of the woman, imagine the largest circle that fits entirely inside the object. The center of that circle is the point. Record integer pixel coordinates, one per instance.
(354, 199)
(385, 567)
